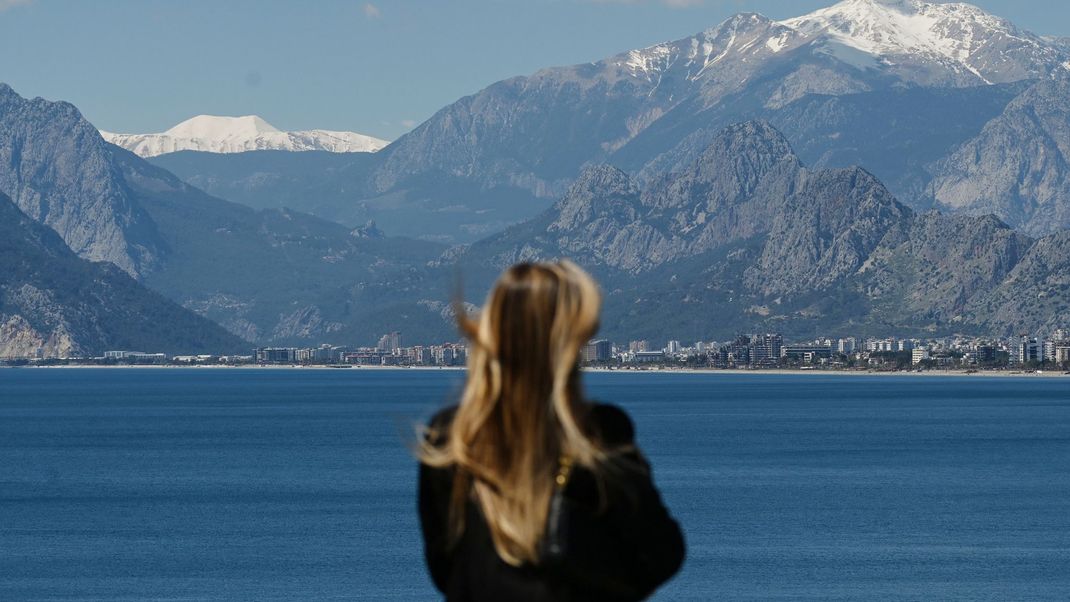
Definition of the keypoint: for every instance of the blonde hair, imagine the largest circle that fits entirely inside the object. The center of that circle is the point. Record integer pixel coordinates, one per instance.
(521, 409)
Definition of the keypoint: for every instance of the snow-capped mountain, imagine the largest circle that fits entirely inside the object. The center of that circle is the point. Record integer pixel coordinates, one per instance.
(917, 42)
(957, 35)
(213, 134)
(890, 85)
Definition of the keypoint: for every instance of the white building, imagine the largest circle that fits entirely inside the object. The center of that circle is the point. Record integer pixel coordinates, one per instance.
(1026, 349)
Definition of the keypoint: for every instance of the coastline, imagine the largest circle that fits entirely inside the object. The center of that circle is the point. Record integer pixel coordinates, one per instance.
(706, 371)
(235, 367)
(849, 373)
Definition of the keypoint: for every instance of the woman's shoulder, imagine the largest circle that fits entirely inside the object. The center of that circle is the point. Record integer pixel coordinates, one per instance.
(613, 424)
(443, 417)
(439, 425)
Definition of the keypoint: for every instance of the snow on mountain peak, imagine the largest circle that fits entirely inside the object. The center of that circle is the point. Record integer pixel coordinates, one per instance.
(216, 134)
(213, 127)
(742, 33)
(954, 32)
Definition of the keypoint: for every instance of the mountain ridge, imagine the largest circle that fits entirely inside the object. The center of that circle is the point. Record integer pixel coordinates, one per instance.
(57, 170)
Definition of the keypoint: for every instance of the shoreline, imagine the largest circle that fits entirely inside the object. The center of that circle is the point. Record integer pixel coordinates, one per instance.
(848, 373)
(234, 367)
(705, 371)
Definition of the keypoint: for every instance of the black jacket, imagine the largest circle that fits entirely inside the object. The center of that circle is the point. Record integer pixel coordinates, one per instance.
(635, 545)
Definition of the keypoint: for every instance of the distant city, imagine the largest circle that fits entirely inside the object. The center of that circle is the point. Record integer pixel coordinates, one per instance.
(753, 351)
(757, 351)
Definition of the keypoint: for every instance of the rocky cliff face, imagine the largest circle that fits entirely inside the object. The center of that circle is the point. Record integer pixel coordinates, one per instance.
(747, 184)
(824, 232)
(54, 304)
(747, 238)
(930, 273)
(1018, 166)
(1033, 295)
(58, 170)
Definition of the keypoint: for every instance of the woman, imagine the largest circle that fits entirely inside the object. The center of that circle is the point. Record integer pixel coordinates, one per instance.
(527, 490)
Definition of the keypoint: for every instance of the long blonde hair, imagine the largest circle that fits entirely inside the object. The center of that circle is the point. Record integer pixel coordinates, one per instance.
(521, 409)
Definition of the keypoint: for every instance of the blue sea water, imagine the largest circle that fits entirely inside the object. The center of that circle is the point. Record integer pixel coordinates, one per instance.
(297, 485)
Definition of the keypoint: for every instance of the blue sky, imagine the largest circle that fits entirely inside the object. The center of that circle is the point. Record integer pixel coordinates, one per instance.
(376, 67)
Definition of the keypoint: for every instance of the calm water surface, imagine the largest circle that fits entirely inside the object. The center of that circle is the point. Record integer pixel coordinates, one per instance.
(297, 485)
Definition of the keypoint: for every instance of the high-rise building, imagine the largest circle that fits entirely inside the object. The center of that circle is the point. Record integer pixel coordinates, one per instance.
(765, 349)
(450, 354)
(918, 355)
(1059, 339)
(736, 353)
(636, 346)
(597, 351)
(1062, 353)
(1027, 349)
(275, 355)
(846, 346)
(442, 355)
(418, 355)
(985, 354)
(390, 342)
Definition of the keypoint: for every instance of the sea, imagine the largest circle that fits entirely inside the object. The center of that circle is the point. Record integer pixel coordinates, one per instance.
(276, 484)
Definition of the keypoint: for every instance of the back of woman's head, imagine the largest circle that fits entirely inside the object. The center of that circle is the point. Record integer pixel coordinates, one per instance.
(521, 407)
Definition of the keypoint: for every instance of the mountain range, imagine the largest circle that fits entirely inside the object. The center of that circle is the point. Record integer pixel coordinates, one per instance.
(213, 134)
(744, 237)
(840, 83)
(267, 276)
(747, 239)
(760, 176)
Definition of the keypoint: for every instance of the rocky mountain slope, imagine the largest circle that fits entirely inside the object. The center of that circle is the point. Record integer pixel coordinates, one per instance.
(56, 168)
(279, 276)
(1034, 294)
(214, 134)
(54, 304)
(529, 130)
(1018, 166)
(746, 238)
